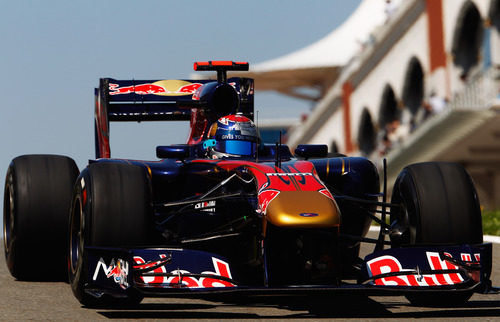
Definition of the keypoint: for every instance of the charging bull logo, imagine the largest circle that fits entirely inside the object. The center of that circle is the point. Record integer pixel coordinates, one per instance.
(164, 87)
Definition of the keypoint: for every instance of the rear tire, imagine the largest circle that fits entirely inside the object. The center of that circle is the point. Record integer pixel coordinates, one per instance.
(439, 206)
(37, 199)
(111, 208)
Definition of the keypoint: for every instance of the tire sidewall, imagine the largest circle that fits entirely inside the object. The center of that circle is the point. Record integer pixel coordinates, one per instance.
(9, 223)
(405, 195)
(78, 231)
(93, 220)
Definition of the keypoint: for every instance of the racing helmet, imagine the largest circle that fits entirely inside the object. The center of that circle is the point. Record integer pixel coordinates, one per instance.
(235, 135)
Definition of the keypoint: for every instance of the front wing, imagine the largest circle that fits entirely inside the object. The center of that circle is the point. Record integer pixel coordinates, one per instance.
(184, 272)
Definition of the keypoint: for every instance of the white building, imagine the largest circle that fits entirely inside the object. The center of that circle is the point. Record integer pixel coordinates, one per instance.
(377, 76)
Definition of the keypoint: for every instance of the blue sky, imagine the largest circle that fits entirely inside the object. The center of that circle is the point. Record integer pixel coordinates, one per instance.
(54, 52)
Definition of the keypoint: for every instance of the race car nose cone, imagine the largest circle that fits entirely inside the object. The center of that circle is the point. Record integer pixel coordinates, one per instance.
(303, 209)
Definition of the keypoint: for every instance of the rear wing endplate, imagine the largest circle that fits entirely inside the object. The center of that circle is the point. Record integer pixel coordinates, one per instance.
(140, 100)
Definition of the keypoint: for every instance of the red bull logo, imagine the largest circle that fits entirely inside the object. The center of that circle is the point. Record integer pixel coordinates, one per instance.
(180, 278)
(389, 264)
(163, 87)
(142, 89)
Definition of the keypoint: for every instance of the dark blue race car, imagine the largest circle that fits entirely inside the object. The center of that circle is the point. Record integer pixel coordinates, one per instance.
(227, 213)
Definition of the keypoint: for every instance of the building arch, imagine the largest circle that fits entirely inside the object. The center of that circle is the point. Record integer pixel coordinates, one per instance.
(413, 87)
(467, 38)
(388, 110)
(367, 134)
(494, 14)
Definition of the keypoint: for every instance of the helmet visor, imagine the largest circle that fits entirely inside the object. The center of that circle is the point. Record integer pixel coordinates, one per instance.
(236, 147)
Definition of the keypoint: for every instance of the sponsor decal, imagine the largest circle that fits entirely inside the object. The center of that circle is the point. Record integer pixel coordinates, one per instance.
(389, 264)
(289, 174)
(141, 264)
(163, 87)
(140, 89)
(221, 269)
(117, 269)
(308, 214)
(233, 118)
(208, 206)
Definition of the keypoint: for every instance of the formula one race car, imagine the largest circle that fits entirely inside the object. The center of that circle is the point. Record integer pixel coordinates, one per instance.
(228, 213)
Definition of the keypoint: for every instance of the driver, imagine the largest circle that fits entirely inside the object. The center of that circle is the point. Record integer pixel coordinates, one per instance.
(232, 136)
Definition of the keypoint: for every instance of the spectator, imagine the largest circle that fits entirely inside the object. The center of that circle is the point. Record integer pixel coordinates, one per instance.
(390, 10)
(437, 103)
(397, 132)
(384, 145)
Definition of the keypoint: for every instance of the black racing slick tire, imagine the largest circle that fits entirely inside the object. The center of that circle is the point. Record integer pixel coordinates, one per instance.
(111, 208)
(37, 198)
(438, 206)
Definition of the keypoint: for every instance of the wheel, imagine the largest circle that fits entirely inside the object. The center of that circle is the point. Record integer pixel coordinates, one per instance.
(111, 208)
(37, 198)
(439, 206)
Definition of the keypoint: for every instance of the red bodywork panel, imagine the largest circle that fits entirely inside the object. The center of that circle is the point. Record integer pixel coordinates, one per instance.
(271, 180)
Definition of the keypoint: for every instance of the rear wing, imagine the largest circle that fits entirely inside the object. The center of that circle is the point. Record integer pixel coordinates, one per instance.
(170, 100)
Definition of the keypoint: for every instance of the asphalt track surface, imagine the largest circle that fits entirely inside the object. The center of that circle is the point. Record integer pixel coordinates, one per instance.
(53, 301)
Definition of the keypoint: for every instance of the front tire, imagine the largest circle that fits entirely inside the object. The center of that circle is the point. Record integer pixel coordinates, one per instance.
(37, 199)
(438, 206)
(111, 208)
